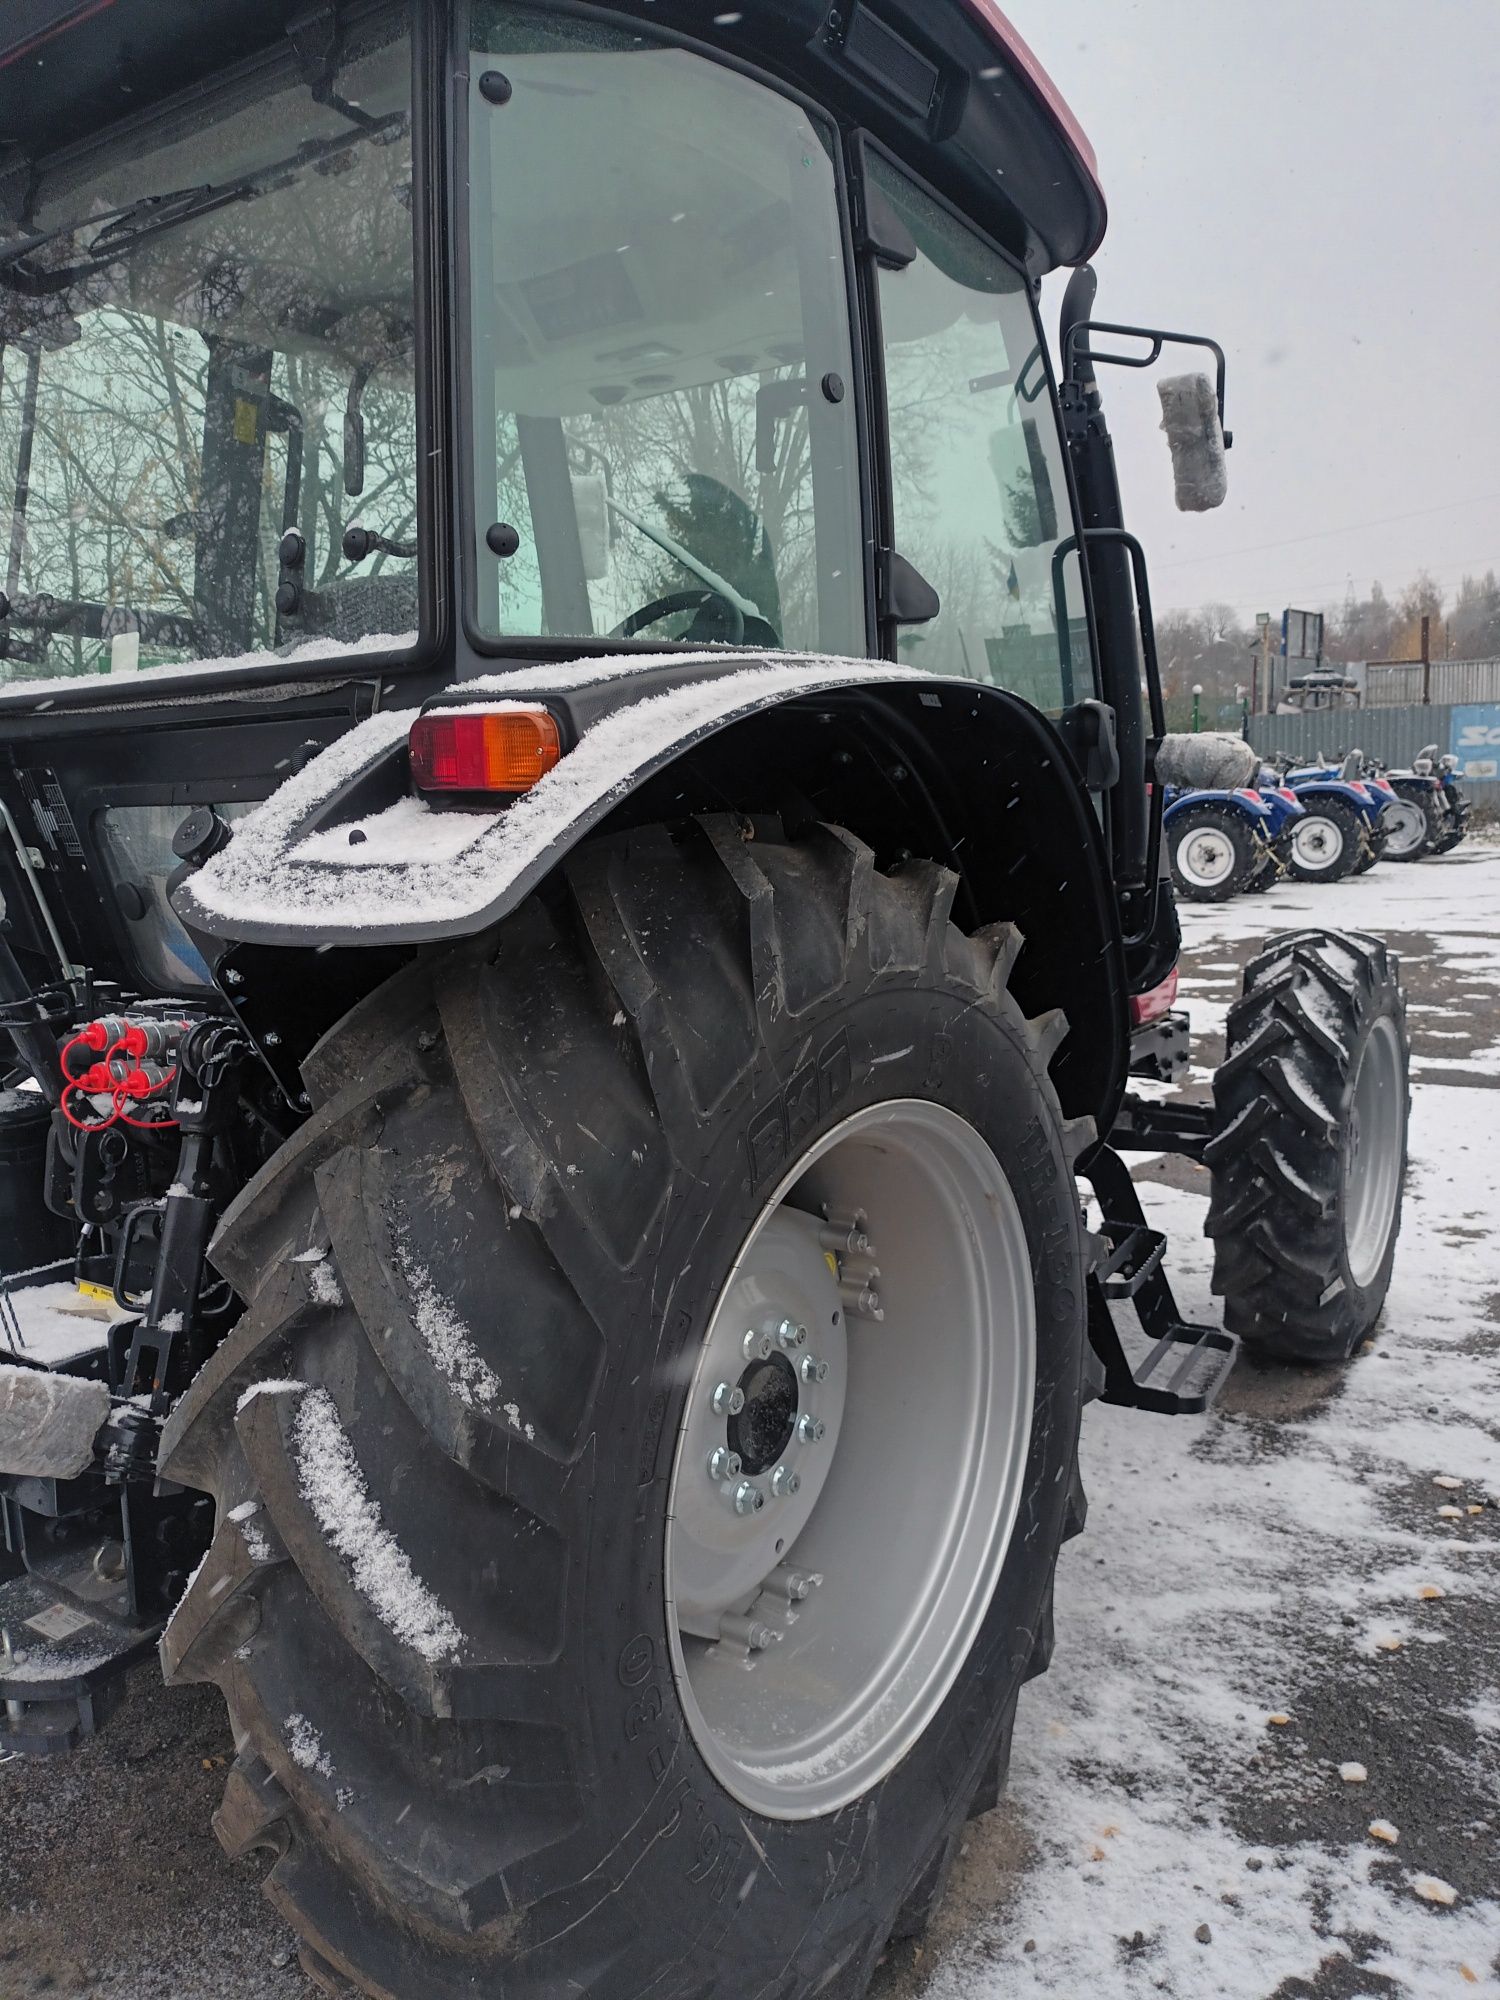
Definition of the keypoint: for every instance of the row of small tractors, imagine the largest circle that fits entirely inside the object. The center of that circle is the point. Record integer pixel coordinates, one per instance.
(1236, 825)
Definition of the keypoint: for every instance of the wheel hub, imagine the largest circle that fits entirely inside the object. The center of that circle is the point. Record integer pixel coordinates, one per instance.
(1205, 858)
(767, 1421)
(1406, 828)
(850, 1460)
(1317, 843)
(732, 1519)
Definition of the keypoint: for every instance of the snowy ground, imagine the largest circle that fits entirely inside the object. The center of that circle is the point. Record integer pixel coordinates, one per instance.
(1163, 1834)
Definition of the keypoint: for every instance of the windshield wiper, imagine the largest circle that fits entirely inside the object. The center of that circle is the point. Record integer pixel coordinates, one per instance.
(123, 229)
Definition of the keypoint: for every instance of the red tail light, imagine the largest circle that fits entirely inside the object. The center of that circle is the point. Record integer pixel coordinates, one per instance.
(1147, 1007)
(483, 750)
(1289, 795)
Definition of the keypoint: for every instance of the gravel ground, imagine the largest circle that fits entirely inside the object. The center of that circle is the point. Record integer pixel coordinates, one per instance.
(1163, 1833)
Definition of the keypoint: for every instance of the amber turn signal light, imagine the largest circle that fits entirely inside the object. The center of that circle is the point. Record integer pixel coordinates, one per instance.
(483, 750)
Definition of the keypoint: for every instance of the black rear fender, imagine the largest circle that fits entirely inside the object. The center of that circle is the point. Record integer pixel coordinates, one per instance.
(965, 775)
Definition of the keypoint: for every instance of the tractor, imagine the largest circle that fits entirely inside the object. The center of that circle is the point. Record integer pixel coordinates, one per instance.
(585, 931)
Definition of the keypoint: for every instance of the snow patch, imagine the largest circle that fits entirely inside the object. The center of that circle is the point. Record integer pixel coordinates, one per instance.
(128, 681)
(261, 877)
(57, 1325)
(305, 1746)
(444, 1334)
(323, 1285)
(334, 1488)
(285, 1387)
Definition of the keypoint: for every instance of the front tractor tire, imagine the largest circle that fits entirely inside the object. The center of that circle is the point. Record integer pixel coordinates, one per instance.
(641, 1464)
(1408, 824)
(1327, 843)
(1308, 1156)
(1213, 853)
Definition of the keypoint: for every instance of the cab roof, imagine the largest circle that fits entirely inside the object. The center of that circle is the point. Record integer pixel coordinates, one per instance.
(948, 85)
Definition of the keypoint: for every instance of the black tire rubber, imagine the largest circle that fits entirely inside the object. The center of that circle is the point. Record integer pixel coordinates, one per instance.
(1235, 829)
(1350, 826)
(1451, 837)
(1371, 851)
(1282, 1102)
(1265, 876)
(555, 1140)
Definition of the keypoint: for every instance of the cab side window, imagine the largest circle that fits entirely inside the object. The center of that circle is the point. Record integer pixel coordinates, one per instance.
(979, 486)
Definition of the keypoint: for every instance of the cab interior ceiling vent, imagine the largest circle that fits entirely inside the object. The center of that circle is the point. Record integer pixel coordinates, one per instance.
(882, 56)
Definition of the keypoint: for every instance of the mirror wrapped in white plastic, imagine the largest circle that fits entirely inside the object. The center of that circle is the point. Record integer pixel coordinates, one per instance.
(1190, 418)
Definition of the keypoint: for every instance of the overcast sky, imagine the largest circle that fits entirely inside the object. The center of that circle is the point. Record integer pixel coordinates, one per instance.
(1316, 183)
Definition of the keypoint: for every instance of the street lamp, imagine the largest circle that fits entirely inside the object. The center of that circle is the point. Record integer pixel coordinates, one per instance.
(1197, 706)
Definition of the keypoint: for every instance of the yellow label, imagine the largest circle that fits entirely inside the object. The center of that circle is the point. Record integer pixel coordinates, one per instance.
(100, 1292)
(244, 420)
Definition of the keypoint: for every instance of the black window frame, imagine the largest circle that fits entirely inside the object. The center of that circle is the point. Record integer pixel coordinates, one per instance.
(430, 209)
(530, 647)
(860, 145)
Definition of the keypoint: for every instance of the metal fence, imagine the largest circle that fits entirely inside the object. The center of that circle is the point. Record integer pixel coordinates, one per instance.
(1394, 735)
(1397, 684)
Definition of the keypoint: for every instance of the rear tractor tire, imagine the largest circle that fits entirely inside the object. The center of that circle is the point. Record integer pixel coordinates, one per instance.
(1308, 1156)
(642, 1461)
(1326, 842)
(1213, 853)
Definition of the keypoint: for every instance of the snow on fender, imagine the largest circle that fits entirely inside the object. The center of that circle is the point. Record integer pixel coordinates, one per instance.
(420, 873)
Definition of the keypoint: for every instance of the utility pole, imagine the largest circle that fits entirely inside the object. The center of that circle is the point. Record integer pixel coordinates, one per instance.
(1260, 672)
(1426, 662)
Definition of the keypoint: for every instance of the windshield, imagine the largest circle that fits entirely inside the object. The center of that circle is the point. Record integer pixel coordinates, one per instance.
(206, 341)
(665, 442)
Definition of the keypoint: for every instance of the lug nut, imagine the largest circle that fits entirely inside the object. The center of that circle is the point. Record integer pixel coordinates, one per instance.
(814, 1370)
(748, 1498)
(791, 1335)
(723, 1464)
(728, 1401)
(811, 1430)
(758, 1346)
(785, 1483)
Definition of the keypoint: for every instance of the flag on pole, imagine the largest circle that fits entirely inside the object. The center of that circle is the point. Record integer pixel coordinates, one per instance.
(1013, 584)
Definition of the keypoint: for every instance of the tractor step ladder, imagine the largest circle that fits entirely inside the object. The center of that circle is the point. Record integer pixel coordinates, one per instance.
(1186, 1366)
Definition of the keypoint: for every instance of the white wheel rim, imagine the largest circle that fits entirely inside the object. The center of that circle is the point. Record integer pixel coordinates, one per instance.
(1205, 857)
(1317, 843)
(1405, 828)
(846, 1610)
(1372, 1175)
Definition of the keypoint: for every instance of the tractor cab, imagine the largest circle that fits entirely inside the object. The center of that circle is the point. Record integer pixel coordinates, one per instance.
(375, 348)
(580, 879)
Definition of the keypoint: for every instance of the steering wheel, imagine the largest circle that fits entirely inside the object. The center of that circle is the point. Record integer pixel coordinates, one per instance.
(684, 600)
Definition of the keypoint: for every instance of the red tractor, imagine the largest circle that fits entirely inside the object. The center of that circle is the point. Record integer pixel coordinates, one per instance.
(582, 876)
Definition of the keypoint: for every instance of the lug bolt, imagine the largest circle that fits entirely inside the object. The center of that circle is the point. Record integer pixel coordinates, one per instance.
(758, 1346)
(785, 1483)
(748, 1498)
(723, 1464)
(814, 1370)
(728, 1401)
(791, 1335)
(811, 1430)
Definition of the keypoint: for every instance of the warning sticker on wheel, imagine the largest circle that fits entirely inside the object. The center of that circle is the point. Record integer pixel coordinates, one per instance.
(59, 1621)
